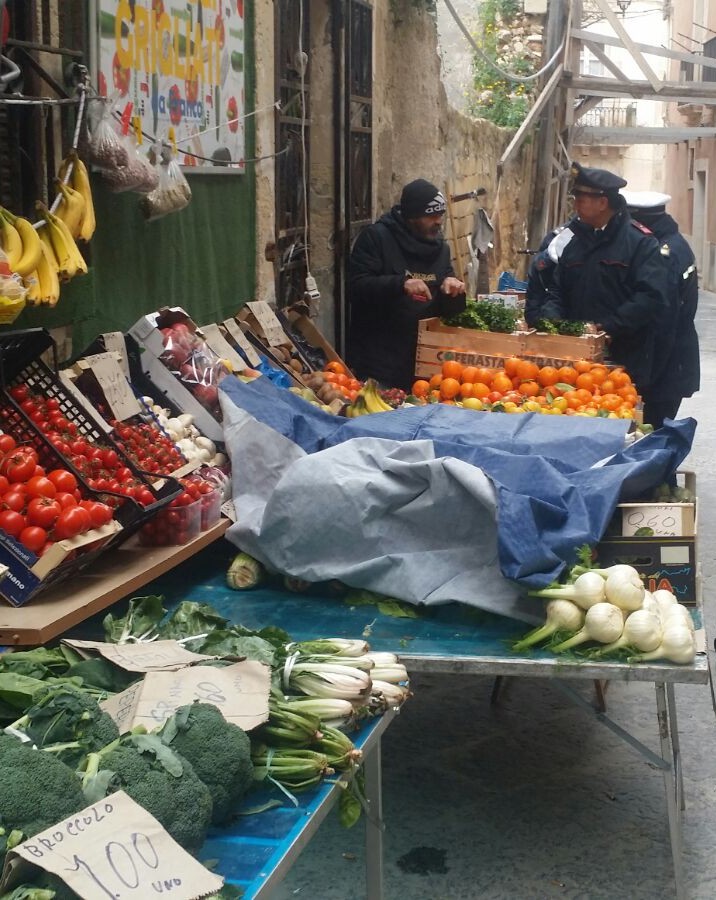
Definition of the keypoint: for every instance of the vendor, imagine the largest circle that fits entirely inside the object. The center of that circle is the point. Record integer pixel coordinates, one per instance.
(608, 270)
(400, 272)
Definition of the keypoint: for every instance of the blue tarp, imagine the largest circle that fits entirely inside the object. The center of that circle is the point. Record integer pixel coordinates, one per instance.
(406, 503)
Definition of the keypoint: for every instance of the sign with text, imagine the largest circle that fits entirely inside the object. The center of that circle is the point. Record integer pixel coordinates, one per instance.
(242, 342)
(180, 65)
(148, 656)
(113, 849)
(111, 378)
(655, 520)
(270, 325)
(240, 691)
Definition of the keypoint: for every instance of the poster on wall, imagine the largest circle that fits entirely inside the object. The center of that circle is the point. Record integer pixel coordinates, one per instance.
(180, 64)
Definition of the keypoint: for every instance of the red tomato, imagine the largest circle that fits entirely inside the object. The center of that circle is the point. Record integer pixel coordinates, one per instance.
(19, 465)
(33, 537)
(65, 499)
(4, 484)
(72, 521)
(43, 511)
(7, 443)
(41, 486)
(99, 513)
(14, 500)
(20, 392)
(64, 481)
(110, 458)
(12, 522)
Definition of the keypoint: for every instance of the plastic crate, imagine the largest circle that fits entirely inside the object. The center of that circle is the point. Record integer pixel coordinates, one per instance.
(508, 282)
(20, 363)
(174, 526)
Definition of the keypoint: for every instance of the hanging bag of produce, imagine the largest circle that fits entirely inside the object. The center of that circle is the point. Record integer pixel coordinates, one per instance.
(171, 195)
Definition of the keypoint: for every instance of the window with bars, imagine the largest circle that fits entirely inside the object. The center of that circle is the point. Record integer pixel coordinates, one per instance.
(709, 74)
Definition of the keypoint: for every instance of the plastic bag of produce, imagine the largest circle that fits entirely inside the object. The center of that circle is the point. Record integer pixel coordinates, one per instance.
(12, 293)
(107, 151)
(171, 194)
(123, 165)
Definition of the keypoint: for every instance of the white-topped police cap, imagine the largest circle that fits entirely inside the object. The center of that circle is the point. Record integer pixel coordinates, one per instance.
(648, 201)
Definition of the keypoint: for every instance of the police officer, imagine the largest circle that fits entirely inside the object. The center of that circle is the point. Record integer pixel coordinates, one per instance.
(679, 373)
(608, 270)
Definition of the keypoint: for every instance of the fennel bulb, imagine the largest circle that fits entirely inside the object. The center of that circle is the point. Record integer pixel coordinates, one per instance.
(625, 589)
(642, 631)
(603, 622)
(677, 645)
(562, 615)
(587, 590)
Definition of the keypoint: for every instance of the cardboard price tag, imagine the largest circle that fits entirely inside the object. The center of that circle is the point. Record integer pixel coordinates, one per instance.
(240, 692)
(114, 384)
(242, 342)
(670, 520)
(113, 849)
(114, 343)
(141, 657)
(270, 325)
(223, 349)
(67, 382)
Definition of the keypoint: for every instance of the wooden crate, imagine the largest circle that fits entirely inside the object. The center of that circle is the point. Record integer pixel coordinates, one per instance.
(548, 349)
(438, 343)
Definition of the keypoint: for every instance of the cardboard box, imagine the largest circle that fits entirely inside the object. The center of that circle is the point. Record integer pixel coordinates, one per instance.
(668, 558)
(310, 332)
(146, 332)
(26, 574)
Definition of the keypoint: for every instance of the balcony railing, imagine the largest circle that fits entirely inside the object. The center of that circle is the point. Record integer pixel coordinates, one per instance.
(610, 117)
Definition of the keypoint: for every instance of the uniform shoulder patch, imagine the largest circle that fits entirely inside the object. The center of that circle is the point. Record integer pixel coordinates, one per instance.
(640, 227)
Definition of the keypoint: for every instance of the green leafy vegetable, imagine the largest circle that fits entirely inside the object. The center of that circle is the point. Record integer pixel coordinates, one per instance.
(143, 615)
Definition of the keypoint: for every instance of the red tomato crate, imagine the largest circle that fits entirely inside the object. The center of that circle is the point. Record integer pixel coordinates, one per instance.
(20, 364)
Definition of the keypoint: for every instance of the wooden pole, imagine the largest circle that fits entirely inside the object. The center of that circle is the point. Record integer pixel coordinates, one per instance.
(455, 247)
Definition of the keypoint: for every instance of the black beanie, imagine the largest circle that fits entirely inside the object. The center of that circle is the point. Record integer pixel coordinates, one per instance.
(420, 198)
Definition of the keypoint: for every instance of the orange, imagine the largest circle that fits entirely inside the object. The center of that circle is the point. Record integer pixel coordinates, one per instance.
(547, 376)
(574, 401)
(598, 373)
(582, 365)
(610, 402)
(420, 388)
(501, 383)
(342, 379)
(480, 390)
(335, 366)
(526, 369)
(529, 388)
(607, 386)
(449, 388)
(483, 375)
(466, 389)
(330, 377)
(452, 369)
(511, 365)
(584, 395)
(435, 381)
(434, 396)
(620, 378)
(354, 384)
(468, 374)
(585, 381)
(567, 375)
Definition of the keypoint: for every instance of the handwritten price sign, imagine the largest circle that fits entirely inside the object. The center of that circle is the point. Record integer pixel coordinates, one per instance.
(114, 849)
(669, 520)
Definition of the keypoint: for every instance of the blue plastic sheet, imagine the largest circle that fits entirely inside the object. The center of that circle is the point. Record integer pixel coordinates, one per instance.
(416, 487)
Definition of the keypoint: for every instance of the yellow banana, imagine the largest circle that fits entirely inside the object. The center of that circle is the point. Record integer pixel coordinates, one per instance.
(44, 234)
(373, 401)
(32, 283)
(71, 208)
(81, 183)
(49, 282)
(10, 240)
(70, 260)
(30, 244)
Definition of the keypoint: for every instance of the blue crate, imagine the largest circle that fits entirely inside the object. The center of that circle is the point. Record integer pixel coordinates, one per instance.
(508, 282)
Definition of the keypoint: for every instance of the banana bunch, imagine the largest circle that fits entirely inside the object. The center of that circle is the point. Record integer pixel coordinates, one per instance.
(368, 401)
(76, 209)
(20, 242)
(56, 236)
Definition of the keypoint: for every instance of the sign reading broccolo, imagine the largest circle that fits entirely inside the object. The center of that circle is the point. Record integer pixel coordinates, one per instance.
(180, 65)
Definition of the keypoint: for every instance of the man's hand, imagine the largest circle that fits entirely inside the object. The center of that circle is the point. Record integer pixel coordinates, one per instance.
(417, 289)
(452, 286)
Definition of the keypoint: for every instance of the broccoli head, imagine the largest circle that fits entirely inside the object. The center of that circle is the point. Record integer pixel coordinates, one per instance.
(157, 778)
(72, 718)
(38, 790)
(219, 751)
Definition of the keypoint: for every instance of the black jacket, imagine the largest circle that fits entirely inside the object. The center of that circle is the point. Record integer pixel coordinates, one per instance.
(614, 277)
(383, 327)
(680, 374)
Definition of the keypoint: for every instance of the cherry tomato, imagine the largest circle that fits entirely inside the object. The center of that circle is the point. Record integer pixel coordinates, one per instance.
(43, 511)
(19, 392)
(12, 522)
(33, 537)
(64, 481)
(72, 521)
(41, 486)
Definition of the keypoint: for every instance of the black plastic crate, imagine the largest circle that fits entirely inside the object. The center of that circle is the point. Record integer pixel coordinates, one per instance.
(20, 364)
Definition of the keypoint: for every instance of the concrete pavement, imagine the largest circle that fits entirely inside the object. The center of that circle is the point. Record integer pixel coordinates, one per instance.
(533, 799)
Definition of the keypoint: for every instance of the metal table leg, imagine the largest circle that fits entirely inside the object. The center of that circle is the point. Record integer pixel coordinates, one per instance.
(374, 826)
(668, 736)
